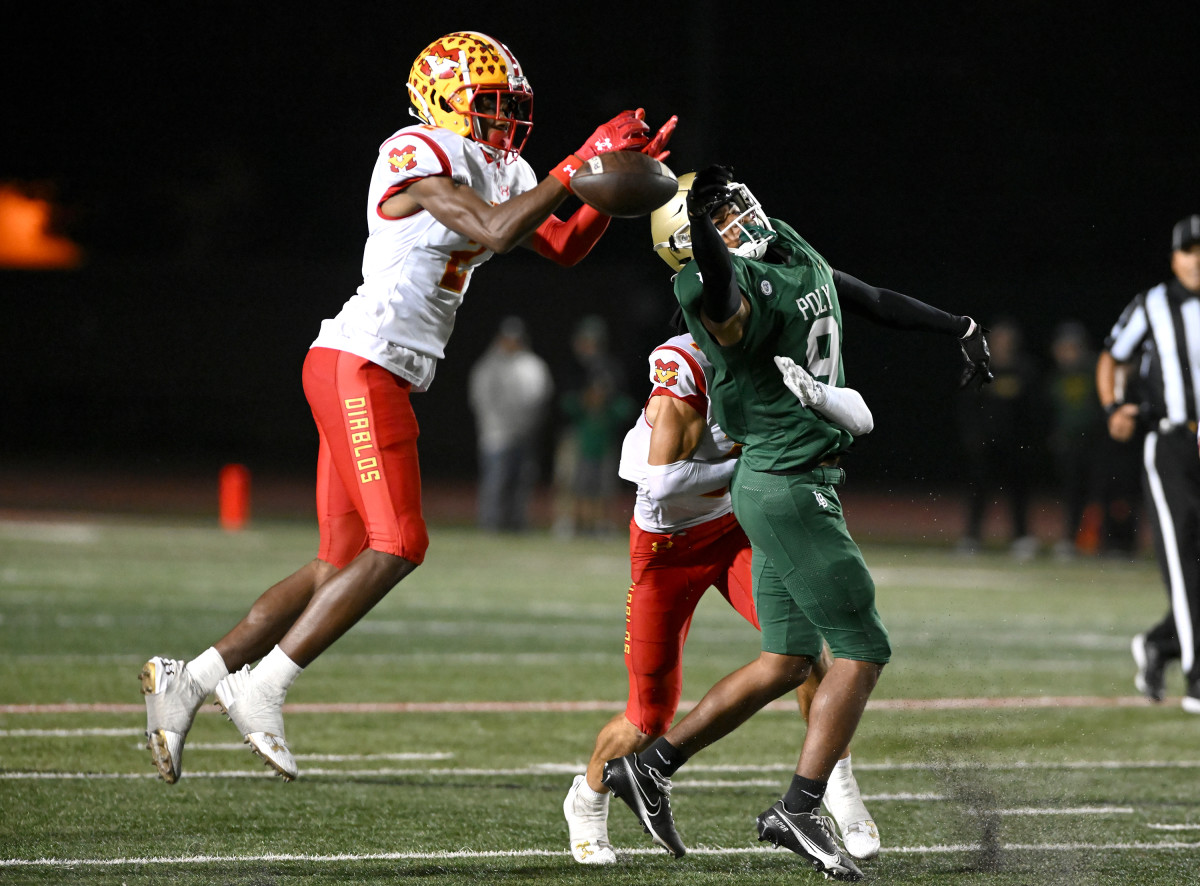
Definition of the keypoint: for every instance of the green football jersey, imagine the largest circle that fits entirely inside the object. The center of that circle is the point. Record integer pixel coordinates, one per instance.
(794, 312)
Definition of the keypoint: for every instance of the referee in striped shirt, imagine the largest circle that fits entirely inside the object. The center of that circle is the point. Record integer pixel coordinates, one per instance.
(1156, 346)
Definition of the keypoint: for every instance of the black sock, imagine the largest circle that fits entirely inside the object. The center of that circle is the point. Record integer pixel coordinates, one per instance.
(804, 795)
(663, 756)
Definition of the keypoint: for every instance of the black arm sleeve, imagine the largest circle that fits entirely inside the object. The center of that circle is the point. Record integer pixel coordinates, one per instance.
(895, 310)
(721, 297)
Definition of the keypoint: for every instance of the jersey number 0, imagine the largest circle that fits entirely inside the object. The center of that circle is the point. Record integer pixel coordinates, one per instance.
(824, 366)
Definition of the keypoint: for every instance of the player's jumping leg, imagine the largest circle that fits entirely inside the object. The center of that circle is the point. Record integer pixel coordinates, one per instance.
(253, 699)
(174, 690)
(172, 699)
(843, 800)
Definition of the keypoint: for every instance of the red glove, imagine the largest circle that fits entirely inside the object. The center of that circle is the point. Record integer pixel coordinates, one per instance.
(655, 148)
(624, 132)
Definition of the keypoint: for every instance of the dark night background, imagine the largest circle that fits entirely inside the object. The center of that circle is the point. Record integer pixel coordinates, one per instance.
(1018, 159)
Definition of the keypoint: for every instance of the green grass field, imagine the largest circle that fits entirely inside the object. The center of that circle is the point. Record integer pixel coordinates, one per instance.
(1004, 744)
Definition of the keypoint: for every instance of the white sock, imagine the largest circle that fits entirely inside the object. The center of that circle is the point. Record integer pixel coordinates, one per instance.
(208, 669)
(842, 798)
(277, 671)
(590, 797)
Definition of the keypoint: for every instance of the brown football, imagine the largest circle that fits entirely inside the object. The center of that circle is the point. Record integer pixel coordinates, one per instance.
(624, 184)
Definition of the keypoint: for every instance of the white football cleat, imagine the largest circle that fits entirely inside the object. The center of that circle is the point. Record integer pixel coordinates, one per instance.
(172, 699)
(859, 834)
(861, 839)
(258, 716)
(588, 827)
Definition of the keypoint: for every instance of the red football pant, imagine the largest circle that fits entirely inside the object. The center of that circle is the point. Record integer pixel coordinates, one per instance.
(368, 477)
(670, 575)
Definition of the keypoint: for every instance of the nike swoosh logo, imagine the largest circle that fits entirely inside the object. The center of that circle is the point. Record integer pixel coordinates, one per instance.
(652, 808)
(816, 851)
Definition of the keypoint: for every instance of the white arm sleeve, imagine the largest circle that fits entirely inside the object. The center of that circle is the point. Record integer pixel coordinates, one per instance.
(845, 407)
(688, 477)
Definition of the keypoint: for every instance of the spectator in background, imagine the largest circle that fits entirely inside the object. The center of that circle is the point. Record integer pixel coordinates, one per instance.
(598, 416)
(1076, 427)
(998, 429)
(510, 389)
(585, 469)
(1117, 515)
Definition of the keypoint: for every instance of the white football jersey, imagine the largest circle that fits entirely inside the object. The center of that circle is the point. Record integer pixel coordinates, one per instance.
(415, 269)
(677, 369)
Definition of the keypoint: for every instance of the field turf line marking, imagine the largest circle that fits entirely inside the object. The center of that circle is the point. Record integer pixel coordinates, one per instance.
(68, 733)
(557, 853)
(522, 707)
(546, 769)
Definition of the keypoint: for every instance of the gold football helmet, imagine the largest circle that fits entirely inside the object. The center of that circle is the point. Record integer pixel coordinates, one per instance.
(672, 232)
(473, 85)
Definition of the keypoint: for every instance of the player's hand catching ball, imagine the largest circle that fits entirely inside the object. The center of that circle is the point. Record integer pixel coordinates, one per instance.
(977, 357)
(710, 189)
(806, 388)
(625, 132)
(656, 148)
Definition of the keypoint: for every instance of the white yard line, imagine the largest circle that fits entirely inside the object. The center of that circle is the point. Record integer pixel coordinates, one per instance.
(553, 853)
(518, 707)
(685, 782)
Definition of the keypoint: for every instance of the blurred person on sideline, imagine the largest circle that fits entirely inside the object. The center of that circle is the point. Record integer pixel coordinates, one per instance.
(597, 416)
(998, 431)
(510, 391)
(1157, 340)
(585, 452)
(1076, 428)
(683, 539)
(445, 195)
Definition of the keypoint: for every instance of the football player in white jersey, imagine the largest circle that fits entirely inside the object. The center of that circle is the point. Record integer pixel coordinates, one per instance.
(445, 195)
(683, 539)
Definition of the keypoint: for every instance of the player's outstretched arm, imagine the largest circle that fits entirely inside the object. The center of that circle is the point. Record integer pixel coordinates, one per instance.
(499, 227)
(898, 311)
(845, 407)
(722, 304)
(502, 226)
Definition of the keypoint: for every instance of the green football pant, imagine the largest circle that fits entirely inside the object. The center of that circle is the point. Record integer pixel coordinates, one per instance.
(810, 580)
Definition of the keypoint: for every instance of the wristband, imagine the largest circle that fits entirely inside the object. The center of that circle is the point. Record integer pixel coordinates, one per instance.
(1112, 407)
(565, 170)
(970, 329)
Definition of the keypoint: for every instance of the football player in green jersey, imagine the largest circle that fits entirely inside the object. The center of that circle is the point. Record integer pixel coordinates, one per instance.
(751, 289)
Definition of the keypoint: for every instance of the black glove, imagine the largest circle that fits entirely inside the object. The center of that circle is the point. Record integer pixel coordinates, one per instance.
(709, 190)
(976, 358)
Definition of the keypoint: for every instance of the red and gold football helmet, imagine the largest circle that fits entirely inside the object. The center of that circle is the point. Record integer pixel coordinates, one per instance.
(473, 85)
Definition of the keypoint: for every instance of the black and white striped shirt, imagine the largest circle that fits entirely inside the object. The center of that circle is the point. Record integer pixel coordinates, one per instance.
(1160, 329)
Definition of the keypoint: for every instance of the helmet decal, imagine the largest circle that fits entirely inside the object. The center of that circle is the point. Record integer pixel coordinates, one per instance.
(473, 85)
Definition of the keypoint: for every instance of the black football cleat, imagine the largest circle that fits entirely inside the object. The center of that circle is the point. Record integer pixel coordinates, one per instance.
(648, 793)
(1151, 663)
(1191, 701)
(809, 836)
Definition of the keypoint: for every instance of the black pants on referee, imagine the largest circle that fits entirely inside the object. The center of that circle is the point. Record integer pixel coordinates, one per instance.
(1171, 482)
